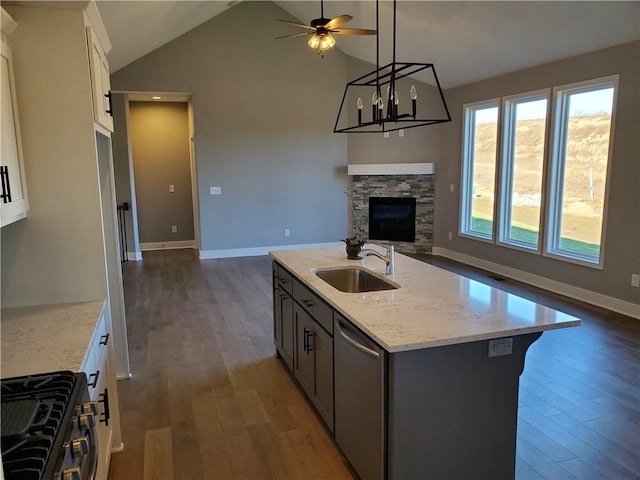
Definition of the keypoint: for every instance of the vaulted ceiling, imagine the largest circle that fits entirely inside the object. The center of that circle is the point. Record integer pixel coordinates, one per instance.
(467, 41)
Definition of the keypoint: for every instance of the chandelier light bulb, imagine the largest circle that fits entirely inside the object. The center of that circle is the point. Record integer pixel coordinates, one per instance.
(359, 103)
(414, 102)
(396, 98)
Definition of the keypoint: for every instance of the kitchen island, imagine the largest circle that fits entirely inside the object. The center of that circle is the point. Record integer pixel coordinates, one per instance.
(415, 381)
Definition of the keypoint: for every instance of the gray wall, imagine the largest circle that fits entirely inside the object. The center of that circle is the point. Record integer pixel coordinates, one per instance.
(264, 111)
(622, 247)
(160, 147)
(56, 254)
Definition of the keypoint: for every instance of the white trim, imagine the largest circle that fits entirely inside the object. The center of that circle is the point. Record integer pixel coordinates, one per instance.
(392, 169)
(587, 296)
(167, 245)
(95, 20)
(134, 256)
(8, 23)
(257, 251)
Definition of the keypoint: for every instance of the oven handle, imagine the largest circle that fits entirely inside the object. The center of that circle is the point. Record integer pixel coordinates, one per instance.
(104, 399)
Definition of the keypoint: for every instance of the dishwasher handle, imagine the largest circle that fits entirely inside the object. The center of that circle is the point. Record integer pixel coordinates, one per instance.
(358, 346)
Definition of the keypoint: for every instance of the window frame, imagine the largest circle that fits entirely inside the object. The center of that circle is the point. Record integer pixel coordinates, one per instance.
(556, 164)
(466, 171)
(552, 181)
(506, 160)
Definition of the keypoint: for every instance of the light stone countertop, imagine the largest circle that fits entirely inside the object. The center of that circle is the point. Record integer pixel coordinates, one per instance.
(432, 307)
(47, 338)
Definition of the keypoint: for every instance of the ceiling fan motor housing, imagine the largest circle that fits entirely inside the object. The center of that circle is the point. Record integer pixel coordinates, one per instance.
(319, 22)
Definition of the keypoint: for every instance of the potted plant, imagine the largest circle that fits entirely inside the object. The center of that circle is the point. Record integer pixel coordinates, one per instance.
(353, 244)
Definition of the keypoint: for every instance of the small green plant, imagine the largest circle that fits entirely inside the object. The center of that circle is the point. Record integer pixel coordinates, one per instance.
(355, 240)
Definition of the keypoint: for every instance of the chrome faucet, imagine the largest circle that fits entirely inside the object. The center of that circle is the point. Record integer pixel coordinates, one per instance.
(388, 258)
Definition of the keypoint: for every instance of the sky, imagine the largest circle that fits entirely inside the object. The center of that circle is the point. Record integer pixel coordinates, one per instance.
(582, 103)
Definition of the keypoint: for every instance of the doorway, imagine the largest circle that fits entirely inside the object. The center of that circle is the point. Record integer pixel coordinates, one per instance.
(155, 171)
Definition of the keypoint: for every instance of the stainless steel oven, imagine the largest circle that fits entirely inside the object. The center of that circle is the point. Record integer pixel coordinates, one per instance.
(48, 427)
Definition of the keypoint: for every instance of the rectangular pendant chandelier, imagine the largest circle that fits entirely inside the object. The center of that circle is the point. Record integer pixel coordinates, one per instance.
(386, 99)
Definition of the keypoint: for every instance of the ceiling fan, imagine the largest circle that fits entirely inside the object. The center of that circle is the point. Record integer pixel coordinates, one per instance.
(321, 30)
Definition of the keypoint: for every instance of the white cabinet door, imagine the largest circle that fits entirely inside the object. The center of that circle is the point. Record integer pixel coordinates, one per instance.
(100, 82)
(13, 204)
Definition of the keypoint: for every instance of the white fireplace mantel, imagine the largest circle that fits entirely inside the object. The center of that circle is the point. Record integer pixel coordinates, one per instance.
(392, 169)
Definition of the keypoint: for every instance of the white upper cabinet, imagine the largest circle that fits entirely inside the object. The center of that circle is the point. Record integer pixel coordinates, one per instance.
(100, 81)
(13, 198)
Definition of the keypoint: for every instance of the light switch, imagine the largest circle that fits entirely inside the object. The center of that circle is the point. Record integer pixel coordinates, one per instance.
(172, 188)
(215, 191)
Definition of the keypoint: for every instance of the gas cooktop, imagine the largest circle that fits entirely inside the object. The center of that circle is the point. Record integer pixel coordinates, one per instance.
(38, 414)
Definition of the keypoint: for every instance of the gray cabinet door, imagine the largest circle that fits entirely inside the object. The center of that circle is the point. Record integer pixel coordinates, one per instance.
(304, 356)
(286, 317)
(277, 313)
(323, 344)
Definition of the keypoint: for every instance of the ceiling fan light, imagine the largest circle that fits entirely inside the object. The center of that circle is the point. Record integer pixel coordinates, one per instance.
(326, 42)
(314, 41)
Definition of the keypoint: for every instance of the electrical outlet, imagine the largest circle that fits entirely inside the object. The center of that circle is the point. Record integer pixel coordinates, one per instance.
(635, 280)
(174, 229)
(450, 236)
(401, 132)
(452, 188)
(287, 232)
(172, 188)
(386, 134)
(500, 346)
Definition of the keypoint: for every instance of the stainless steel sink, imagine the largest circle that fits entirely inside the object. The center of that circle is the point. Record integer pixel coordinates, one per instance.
(354, 280)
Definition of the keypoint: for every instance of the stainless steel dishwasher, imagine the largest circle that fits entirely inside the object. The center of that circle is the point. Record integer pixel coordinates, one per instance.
(359, 366)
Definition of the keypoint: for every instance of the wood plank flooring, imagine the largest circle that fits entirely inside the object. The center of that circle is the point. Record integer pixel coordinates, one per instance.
(208, 400)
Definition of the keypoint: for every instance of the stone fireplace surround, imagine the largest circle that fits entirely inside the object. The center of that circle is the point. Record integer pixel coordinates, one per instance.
(421, 186)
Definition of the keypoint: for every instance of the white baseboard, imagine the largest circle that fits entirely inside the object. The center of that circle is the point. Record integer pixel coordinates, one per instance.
(257, 251)
(134, 256)
(118, 448)
(145, 247)
(587, 296)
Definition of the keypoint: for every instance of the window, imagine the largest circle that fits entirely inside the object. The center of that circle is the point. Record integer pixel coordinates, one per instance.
(579, 163)
(525, 121)
(566, 151)
(479, 169)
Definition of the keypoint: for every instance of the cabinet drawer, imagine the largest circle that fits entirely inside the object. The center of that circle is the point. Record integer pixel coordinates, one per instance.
(285, 279)
(96, 354)
(320, 311)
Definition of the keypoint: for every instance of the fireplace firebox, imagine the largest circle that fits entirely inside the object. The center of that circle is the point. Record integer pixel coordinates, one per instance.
(392, 218)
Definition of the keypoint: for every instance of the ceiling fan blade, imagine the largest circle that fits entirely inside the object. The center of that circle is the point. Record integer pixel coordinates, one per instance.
(293, 35)
(338, 21)
(297, 24)
(353, 31)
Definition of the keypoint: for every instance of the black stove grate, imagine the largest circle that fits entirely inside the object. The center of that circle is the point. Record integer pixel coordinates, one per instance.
(26, 451)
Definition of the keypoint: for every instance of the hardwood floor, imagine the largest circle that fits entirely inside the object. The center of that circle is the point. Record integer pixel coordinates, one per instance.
(208, 399)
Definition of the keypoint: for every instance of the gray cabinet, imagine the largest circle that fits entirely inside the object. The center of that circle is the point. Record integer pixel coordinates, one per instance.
(283, 314)
(302, 332)
(313, 362)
